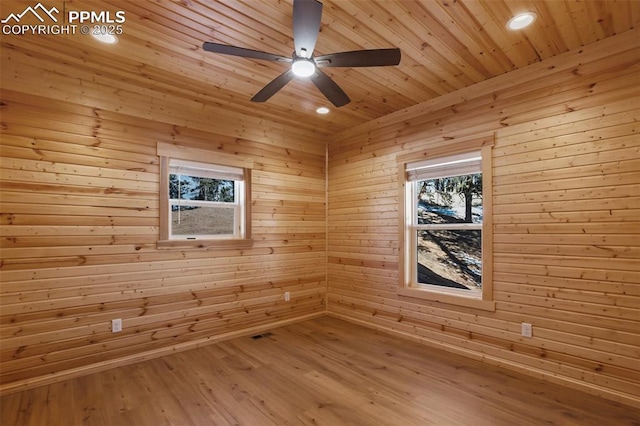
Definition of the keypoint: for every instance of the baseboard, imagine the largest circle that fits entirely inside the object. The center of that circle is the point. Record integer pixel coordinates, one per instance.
(591, 389)
(22, 385)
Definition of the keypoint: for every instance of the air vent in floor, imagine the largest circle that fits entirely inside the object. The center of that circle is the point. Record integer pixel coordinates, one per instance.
(260, 336)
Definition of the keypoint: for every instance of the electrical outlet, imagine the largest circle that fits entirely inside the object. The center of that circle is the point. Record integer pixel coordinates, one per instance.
(527, 330)
(116, 325)
(287, 296)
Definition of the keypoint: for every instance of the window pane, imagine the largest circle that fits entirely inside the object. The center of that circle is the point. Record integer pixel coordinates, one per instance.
(456, 199)
(186, 220)
(187, 187)
(450, 258)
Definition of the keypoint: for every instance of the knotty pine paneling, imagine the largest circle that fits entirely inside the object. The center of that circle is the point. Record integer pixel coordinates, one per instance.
(79, 222)
(79, 176)
(566, 202)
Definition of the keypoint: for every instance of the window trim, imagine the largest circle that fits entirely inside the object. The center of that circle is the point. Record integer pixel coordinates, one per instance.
(169, 151)
(445, 295)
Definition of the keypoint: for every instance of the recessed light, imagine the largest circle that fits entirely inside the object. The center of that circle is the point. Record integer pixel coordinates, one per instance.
(521, 20)
(105, 38)
(322, 110)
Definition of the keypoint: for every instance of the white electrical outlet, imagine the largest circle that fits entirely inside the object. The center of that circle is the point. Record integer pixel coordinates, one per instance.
(116, 325)
(527, 330)
(287, 296)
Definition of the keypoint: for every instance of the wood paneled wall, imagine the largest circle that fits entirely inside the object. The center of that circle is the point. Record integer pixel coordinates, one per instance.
(79, 224)
(566, 198)
(79, 221)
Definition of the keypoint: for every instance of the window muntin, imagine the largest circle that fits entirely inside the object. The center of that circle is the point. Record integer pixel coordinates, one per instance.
(205, 200)
(444, 224)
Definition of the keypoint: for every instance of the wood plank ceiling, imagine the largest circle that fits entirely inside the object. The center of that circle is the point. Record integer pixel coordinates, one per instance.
(446, 45)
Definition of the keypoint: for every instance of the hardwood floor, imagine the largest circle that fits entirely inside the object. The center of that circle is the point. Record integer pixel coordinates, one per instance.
(319, 372)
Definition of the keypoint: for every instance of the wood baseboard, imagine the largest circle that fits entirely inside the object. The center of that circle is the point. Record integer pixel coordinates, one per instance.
(106, 365)
(60, 376)
(532, 372)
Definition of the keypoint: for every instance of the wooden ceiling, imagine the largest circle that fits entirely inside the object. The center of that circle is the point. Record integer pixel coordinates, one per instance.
(446, 45)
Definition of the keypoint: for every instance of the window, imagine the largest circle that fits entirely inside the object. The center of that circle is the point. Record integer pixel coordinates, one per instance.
(202, 203)
(206, 200)
(446, 228)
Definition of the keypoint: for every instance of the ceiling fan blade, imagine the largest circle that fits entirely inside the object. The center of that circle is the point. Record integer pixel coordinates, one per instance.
(330, 89)
(242, 52)
(306, 26)
(360, 58)
(270, 89)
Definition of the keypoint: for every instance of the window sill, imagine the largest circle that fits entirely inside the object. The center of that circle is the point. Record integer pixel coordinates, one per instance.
(205, 244)
(450, 299)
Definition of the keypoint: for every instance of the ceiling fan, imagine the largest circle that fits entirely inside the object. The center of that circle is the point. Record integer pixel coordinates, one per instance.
(306, 27)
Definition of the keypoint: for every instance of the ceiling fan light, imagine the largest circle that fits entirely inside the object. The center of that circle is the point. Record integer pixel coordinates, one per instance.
(521, 20)
(303, 67)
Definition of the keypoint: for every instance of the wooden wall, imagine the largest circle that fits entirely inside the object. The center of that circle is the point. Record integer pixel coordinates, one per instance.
(79, 220)
(566, 250)
(79, 223)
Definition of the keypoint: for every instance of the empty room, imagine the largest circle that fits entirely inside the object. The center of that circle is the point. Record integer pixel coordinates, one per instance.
(334, 212)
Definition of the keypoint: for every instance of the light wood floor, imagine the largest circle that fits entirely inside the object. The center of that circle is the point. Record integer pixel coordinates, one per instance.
(320, 372)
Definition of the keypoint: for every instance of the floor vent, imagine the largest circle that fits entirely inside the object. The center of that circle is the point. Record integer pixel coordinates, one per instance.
(260, 336)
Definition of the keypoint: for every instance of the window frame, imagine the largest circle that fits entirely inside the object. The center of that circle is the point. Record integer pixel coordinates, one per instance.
(408, 285)
(181, 154)
(211, 171)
